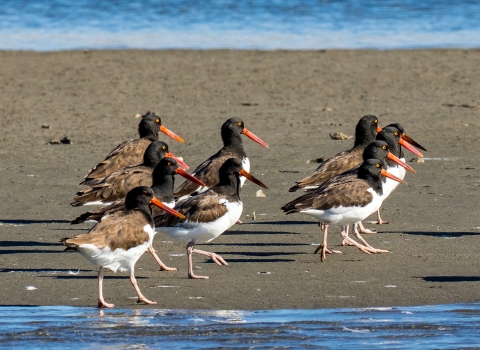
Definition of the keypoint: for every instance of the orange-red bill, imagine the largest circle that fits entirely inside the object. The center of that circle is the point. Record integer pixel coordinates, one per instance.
(393, 177)
(379, 129)
(166, 208)
(400, 162)
(252, 178)
(171, 134)
(179, 161)
(254, 137)
(192, 178)
(408, 146)
(413, 142)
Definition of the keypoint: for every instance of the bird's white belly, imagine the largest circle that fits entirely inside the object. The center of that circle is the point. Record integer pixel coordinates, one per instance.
(204, 231)
(246, 167)
(346, 215)
(390, 185)
(119, 259)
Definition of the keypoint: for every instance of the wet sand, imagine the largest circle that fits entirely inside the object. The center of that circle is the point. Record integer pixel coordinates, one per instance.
(293, 100)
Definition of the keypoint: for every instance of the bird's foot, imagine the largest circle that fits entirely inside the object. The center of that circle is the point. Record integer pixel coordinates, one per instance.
(146, 301)
(347, 242)
(103, 304)
(193, 276)
(377, 222)
(239, 222)
(166, 268)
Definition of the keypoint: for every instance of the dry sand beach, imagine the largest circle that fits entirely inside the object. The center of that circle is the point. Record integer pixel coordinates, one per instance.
(291, 99)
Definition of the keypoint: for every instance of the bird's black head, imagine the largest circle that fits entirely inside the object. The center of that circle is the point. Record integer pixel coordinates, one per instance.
(377, 150)
(149, 126)
(366, 130)
(231, 130)
(166, 166)
(370, 169)
(154, 153)
(139, 198)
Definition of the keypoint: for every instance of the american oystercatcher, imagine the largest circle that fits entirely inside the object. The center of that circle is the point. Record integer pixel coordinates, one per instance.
(365, 132)
(344, 200)
(207, 172)
(209, 214)
(118, 245)
(129, 152)
(117, 184)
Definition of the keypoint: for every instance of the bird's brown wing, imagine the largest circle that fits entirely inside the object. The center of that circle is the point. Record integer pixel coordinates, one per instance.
(207, 172)
(125, 233)
(206, 207)
(98, 214)
(115, 186)
(344, 190)
(127, 153)
(336, 165)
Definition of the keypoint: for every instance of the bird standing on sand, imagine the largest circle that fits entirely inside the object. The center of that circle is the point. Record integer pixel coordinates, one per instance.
(118, 245)
(345, 201)
(208, 214)
(116, 185)
(129, 152)
(207, 172)
(365, 132)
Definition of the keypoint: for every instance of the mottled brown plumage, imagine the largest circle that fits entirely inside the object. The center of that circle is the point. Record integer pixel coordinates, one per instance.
(129, 152)
(365, 133)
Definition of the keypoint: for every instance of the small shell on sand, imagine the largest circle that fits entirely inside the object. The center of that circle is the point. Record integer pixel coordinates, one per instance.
(260, 193)
(340, 136)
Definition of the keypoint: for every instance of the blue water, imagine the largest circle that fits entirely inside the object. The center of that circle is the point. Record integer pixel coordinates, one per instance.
(425, 327)
(238, 24)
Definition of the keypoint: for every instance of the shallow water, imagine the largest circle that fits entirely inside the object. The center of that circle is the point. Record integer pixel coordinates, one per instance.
(426, 327)
(240, 24)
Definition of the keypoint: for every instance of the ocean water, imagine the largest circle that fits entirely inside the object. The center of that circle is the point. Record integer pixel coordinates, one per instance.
(426, 327)
(46, 25)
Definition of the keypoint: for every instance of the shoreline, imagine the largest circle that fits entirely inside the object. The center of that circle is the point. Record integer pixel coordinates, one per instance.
(292, 100)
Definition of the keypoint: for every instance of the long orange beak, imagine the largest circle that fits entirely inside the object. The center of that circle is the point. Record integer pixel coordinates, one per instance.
(186, 175)
(390, 176)
(254, 137)
(408, 146)
(252, 178)
(410, 140)
(166, 208)
(179, 161)
(171, 134)
(379, 129)
(400, 162)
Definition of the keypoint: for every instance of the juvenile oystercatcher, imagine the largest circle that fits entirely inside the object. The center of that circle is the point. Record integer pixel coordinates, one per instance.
(163, 183)
(116, 185)
(344, 200)
(129, 152)
(365, 132)
(118, 245)
(208, 214)
(207, 172)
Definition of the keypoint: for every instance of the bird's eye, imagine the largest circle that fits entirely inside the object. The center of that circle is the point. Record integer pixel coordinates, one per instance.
(376, 121)
(164, 147)
(239, 123)
(396, 133)
(169, 163)
(157, 121)
(145, 193)
(377, 165)
(384, 147)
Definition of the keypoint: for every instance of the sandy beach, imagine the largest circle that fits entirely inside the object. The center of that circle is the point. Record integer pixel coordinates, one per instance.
(291, 99)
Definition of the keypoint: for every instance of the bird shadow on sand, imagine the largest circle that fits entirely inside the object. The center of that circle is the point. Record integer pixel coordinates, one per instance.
(95, 277)
(30, 251)
(282, 222)
(438, 234)
(52, 271)
(234, 233)
(29, 222)
(28, 244)
(450, 278)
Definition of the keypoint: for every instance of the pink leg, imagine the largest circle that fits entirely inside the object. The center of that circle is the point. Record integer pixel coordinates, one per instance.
(190, 250)
(362, 228)
(364, 246)
(163, 267)
(323, 246)
(101, 301)
(379, 220)
(141, 298)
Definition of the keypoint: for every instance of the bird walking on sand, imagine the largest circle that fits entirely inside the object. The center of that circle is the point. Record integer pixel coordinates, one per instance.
(207, 172)
(365, 132)
(208, 214)
(129, 152)
(116, 185)
(118, 245)
(163, 177)
(344, 200)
